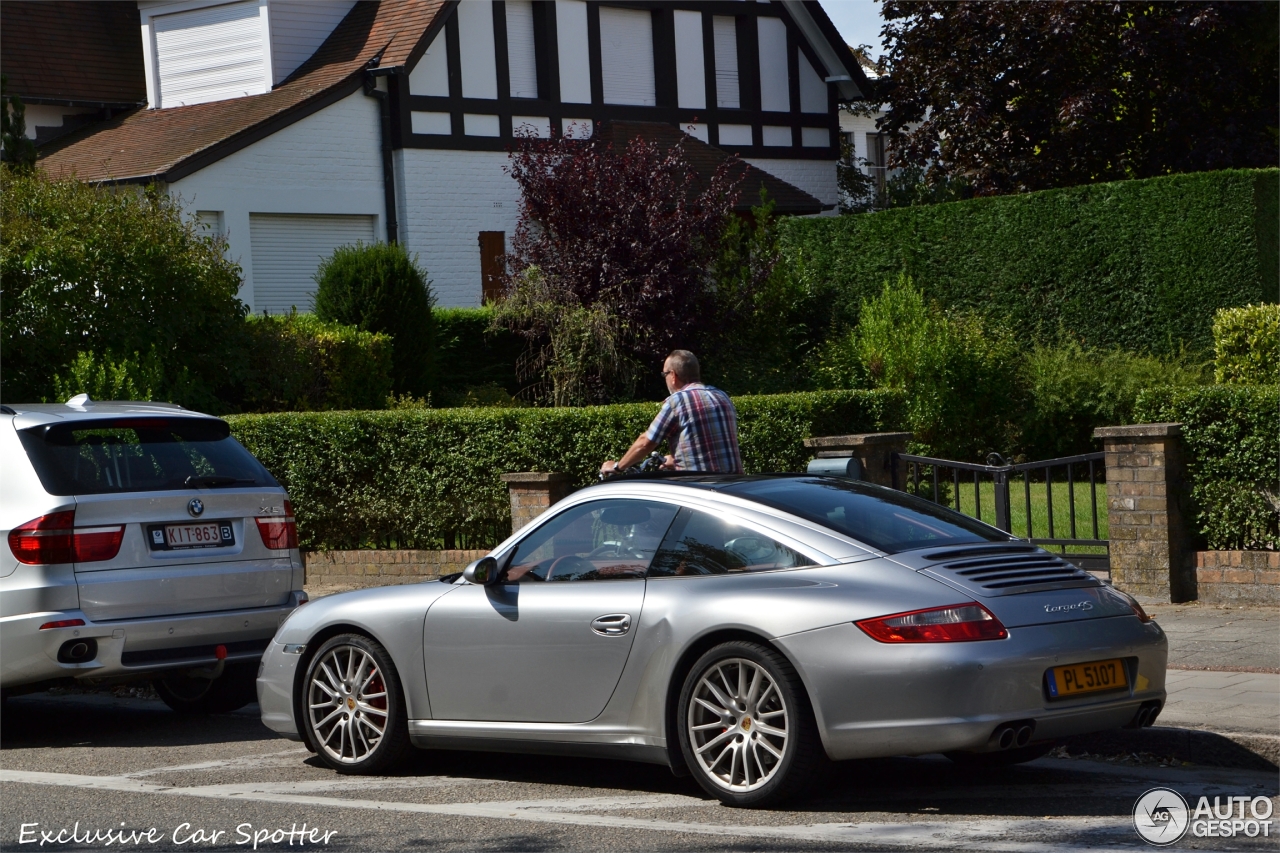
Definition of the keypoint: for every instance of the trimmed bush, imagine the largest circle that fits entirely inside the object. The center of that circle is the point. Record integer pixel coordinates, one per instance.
(429, 478)
(1232, 434)
(298, 362)
(1246, 345)
(379, 288)
(472, 358)
(1136, 264)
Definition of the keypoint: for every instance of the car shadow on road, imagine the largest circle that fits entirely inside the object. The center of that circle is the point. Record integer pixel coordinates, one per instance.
(99, 719)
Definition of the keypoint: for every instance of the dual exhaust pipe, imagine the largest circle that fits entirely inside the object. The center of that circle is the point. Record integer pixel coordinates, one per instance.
(1012, 735)
(1146, 716)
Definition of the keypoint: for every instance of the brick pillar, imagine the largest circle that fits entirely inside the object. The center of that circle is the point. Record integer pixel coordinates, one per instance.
(1151, 549)
(874, 452)
(532, 492)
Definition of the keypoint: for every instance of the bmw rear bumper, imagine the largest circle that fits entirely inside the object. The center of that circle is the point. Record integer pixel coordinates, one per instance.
(132, 647)
(874, 699)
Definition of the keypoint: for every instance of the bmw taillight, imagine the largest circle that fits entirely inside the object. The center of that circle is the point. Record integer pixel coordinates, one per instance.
(279, 533)
(54, 538)
(951, 624)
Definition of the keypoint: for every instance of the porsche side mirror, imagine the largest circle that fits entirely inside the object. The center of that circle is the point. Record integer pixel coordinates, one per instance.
(482, 572)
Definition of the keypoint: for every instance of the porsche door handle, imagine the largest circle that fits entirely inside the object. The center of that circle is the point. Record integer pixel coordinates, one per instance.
(613, 625)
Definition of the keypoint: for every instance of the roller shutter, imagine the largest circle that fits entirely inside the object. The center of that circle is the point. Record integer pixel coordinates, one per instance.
(626, 43)
(210, 54)
(286, 250)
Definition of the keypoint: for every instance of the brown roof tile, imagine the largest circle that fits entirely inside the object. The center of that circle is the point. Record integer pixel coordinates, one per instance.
(168, 144)
(706, 159)
(83, 52)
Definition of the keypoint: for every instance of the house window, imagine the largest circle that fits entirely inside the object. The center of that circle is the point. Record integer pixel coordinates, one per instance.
(875, 158)
(626, 44)
(493, 264)
(522, 55)
(725, 37)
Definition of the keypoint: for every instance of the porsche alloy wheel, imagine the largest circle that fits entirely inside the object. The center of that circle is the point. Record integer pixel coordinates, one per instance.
(747, 729)
(355, 713)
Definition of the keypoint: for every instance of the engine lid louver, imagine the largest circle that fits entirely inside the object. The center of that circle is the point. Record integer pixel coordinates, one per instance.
(991, 570)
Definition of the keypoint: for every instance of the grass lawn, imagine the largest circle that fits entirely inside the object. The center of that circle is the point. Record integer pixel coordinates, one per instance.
(986, 503)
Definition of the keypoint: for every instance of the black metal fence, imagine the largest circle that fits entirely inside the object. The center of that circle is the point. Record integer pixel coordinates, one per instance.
(1089, 549)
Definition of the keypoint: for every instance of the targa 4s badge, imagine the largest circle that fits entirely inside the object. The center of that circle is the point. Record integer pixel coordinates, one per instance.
(1161, 816)
(1062, 608)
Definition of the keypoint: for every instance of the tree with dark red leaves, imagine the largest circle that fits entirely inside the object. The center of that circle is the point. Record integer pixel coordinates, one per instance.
(1012, 97)
(626, 232)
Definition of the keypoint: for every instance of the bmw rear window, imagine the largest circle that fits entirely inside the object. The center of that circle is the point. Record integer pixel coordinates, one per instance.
(122, 454)
(886, 520)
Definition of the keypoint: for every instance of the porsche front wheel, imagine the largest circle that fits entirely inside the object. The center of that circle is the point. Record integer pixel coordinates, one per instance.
(353, 707)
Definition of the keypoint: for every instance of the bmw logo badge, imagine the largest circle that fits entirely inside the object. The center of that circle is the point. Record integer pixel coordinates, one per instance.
(196, 507)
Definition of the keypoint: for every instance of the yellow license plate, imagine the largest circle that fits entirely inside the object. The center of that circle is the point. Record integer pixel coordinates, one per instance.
(1087, 678)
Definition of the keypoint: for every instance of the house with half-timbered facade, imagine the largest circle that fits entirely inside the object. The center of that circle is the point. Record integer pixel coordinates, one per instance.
(294, 126)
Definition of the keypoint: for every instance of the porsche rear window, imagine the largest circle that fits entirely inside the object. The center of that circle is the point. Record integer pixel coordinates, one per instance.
(124, 454)
(886, 520)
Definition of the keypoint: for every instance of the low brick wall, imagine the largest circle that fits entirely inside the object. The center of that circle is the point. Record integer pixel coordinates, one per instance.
(1238, 577)
(382, 568)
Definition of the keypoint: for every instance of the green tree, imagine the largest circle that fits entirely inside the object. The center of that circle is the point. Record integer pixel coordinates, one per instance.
(379, 288)
(1014, 97)
(15, 148)
(100, 282)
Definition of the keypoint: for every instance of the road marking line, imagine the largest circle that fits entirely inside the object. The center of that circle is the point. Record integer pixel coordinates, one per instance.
(1092, 834)
(275, 759)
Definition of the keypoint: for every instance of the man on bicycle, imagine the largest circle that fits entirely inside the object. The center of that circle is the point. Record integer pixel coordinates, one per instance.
(701, 416)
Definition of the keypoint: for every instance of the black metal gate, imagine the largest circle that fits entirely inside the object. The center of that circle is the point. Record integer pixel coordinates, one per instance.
(922, 476)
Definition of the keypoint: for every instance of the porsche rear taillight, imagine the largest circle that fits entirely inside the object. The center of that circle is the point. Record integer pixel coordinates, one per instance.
(954, 623)
(279, 533)
(54, 538)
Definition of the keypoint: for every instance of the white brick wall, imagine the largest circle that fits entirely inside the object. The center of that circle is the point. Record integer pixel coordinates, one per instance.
(816, 177)
(446, 199)
(329, 162)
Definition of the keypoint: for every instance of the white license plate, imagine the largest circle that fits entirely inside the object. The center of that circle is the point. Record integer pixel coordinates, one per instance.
(205, 534)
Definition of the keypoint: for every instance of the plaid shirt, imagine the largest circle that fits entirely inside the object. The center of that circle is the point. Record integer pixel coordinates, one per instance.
(707, 425)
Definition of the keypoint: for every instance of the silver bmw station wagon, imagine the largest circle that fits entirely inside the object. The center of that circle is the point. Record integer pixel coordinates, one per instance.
(741, 629)
(141, 541)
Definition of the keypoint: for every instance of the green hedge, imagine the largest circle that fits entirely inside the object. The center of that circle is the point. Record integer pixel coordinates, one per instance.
(1138, 264)
(470, 360)
(302, 363)
(429, 478)
(1232, 434)
(1246, 345)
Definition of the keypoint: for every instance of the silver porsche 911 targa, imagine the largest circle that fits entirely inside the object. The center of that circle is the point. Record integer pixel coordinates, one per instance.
(742, 629)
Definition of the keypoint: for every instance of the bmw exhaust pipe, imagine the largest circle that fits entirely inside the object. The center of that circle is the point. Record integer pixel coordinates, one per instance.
(1023, 736)
(78, 651)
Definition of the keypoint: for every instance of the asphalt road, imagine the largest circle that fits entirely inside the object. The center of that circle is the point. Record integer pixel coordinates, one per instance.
(98, 764)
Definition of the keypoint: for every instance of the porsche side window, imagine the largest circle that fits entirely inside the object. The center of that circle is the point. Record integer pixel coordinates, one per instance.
(601, 540)
(699, 543)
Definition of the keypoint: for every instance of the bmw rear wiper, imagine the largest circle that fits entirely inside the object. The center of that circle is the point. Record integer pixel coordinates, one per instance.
(199, 480)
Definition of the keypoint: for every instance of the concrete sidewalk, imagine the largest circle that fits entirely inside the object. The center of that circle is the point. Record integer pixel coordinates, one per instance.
(1224, 667)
